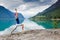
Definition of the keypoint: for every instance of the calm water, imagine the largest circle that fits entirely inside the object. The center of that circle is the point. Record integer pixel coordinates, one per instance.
(7, 23)
(49, 24)
(28, 25)
(45, 24)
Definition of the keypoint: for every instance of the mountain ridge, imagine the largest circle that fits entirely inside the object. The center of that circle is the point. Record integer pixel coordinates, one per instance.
(51, 10)
(7, 18)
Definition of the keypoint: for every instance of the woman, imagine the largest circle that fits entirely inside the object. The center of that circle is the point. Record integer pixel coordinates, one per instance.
(16, 16)
(17, 19)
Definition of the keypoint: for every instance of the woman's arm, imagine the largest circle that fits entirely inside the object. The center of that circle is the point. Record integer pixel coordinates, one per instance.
(16, 14)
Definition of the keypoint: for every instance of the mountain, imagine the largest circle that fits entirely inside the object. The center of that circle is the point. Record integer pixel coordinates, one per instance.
(44, 18)
(7, 18)
(51, 12)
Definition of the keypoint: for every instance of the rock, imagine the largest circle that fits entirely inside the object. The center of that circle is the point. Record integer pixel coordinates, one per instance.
(43, 34)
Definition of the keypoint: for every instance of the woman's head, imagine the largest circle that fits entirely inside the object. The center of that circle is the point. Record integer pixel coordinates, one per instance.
(15, 9)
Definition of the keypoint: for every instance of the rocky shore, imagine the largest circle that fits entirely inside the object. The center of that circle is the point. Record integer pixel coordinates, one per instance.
(43, 34)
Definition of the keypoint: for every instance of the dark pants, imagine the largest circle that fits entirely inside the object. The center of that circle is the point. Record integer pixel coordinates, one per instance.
(17, 20)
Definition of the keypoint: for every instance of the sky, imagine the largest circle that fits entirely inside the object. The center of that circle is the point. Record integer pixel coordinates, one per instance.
(28, 8)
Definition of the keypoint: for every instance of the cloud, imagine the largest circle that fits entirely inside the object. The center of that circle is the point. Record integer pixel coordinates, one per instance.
(37, 0)
(11, 4)
(30, 0)
(33, 11)
(28, 8)
(41, 1)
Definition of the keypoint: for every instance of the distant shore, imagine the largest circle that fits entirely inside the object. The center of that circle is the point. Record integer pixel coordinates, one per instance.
(42, 34)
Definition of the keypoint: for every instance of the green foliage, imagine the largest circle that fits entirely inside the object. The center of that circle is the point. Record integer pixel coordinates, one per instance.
(55, 13)
(49, 15)
(55, 24)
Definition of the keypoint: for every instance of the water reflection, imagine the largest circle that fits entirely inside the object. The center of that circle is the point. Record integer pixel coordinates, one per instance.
(28, 25)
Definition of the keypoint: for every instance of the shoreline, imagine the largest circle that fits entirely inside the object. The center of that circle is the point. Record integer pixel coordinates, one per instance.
(42, 34)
